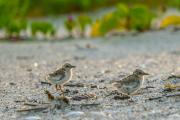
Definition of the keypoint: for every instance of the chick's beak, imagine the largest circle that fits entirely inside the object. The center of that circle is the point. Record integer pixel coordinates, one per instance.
(73, 66)
(145, 73)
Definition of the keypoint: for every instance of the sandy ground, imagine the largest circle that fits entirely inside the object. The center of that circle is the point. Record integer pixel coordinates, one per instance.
(99, 61)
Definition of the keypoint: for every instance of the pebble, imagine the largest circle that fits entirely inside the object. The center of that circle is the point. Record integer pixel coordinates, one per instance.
(75, 91)
(29, 69)
(101, 80)
(94, 86)
(12, 83)
(35, 64)
(74, 114)
(33, 118)
(99, 116)
(118, 97)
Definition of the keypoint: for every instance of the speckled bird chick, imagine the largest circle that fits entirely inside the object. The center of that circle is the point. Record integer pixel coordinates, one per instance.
(61, 76)
(131, 83)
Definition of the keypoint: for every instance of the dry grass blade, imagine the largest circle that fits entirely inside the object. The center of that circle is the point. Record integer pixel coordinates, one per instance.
(31, 104)
(45, 83)
(75, 85)
(174, 76)
(121, 97)
(166, 95)
(84, 96)
(174, 94)
(169, 86)
(90, 104)
(39, 108)
(154, 98)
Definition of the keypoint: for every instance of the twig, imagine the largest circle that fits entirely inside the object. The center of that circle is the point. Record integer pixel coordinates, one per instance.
(35, 104)
(33, 109)
(167, 95)
(75, 85)
(46, 83)
(91, 104)
(112, 93)
(174, 76)
(84, 96)
(149, 87)
(172, 95)
(18, 101)
(154, 98)
(121, 97)
(31, 104)
(44, 103)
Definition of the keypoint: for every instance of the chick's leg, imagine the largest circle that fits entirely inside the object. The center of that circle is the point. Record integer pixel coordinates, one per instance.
(59, 87)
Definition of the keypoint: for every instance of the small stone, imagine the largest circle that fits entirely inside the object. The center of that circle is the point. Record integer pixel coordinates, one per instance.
(35, 64)
(29, 69)
(79, 58)
(119, 97)
(90, 46)
(11, 83)
(33, 118)
(80, 85)
(75, 91)
(107, 71)
(99, 116)
(94, 86)
(101, 81)
(67, 90)
(102, 87)
(97, 75)
(74, 114)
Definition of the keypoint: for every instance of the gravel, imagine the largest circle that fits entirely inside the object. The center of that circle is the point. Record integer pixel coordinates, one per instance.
(23, 66)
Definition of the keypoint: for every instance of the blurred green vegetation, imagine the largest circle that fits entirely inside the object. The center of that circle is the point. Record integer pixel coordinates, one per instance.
(54, 7)
(128, 15)
(70, 24)
(83, 21)
(140, 17)
(14, 28)
(137, 17)
(45, 28)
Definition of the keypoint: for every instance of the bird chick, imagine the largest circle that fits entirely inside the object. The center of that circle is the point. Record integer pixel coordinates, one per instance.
(131, 83)
(61, 76)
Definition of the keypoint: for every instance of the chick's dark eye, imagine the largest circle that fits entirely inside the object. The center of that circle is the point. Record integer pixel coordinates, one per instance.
(67, 66)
